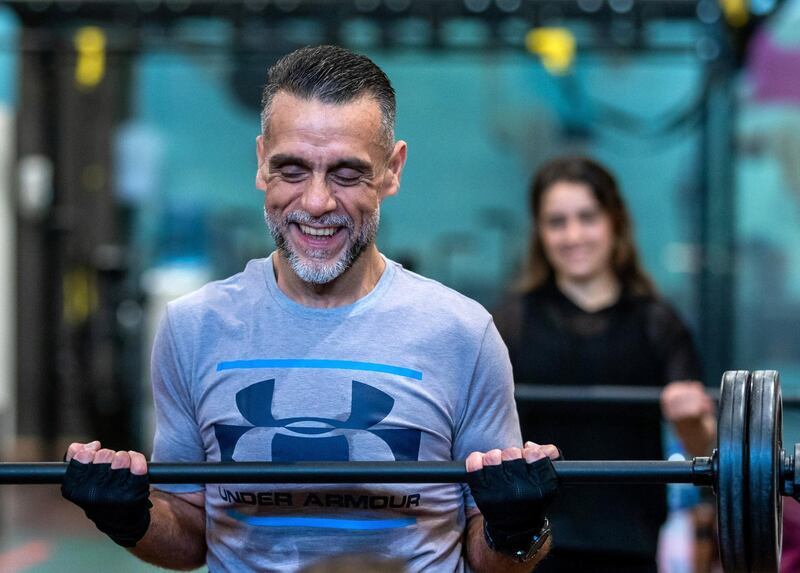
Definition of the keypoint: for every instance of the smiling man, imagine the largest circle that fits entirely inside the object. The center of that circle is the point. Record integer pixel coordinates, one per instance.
(327, 351)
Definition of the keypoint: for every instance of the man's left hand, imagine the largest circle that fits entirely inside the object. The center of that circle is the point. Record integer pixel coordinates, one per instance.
(513, 489)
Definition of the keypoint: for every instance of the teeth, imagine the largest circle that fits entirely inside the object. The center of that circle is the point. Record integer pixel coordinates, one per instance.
(325, 232)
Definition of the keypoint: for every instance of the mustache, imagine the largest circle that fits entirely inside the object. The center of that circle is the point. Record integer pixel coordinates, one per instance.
(328, 220)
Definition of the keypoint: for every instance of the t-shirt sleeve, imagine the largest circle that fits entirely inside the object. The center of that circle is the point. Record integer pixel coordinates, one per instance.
(177, 436)
(489, 414)
(674, 345)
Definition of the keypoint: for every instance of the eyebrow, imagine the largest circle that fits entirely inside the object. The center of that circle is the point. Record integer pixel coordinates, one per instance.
(352, 163)
(282, 159)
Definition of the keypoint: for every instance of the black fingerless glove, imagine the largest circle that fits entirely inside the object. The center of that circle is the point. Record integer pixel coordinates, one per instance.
(116, 500)
(513, 497)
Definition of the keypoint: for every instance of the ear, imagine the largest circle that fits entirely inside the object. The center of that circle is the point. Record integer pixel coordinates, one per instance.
(394, 169)
(261, 158)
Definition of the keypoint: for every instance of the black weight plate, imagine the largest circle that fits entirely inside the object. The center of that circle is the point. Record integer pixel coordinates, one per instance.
(765, 505)
(731, 477)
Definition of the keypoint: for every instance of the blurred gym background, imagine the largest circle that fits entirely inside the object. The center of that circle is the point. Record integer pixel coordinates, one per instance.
(127, 164)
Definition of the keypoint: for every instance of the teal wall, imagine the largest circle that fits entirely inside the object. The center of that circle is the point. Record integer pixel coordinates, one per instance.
(8, 56)
(477, 126)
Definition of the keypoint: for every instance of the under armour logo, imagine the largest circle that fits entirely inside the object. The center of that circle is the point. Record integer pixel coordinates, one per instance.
(369, 406)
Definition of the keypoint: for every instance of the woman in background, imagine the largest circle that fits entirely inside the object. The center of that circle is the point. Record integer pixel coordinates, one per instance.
(587, 314)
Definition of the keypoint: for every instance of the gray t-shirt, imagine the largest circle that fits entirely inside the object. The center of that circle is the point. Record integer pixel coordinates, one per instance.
(412, 371)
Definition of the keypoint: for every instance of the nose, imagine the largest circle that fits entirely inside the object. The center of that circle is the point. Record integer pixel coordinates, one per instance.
(573, 231)
(318, 198)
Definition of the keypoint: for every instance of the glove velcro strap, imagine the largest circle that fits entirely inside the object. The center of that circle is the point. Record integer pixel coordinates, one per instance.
(510, 542)
(126, 534)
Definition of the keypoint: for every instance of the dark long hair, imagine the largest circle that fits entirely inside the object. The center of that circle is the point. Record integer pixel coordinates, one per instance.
(624, 258)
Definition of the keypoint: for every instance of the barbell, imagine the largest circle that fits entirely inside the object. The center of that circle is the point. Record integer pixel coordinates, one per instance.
(607, 394)
(749, 472)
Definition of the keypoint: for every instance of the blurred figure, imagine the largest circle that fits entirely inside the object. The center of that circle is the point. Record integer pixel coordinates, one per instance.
(588, 314)
(790, 550)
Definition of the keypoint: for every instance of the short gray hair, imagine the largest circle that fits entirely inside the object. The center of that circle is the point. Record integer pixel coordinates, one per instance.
(332, 75)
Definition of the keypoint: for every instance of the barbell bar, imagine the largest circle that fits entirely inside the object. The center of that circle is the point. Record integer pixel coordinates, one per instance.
(606, 394)
(697, 471)
(749, 472)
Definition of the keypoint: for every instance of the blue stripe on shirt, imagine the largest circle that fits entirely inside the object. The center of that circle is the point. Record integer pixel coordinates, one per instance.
(320, 363)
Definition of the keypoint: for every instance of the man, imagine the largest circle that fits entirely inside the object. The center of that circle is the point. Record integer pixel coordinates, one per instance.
(326, 350)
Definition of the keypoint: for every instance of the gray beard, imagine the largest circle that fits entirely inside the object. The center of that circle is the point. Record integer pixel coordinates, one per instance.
(313, 267)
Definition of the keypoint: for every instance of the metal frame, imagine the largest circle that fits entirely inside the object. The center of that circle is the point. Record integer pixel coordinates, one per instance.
(46, 247)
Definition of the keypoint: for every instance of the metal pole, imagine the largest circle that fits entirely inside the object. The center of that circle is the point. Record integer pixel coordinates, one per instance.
(607, 394)
(569, 472)
(588, 394)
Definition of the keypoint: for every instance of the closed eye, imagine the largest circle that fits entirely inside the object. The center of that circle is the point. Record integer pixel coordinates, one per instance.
(292, 174)
(347, 177)
(289, 167)
(589, 215)
(555, 222)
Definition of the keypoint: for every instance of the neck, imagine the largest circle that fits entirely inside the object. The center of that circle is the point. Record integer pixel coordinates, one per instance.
(355, 283)
(593, 293)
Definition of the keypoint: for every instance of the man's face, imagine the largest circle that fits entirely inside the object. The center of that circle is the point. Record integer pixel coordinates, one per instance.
(324, 172)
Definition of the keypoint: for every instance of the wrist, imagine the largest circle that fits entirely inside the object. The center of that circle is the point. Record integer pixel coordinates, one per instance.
(129, 529)
(521, 546)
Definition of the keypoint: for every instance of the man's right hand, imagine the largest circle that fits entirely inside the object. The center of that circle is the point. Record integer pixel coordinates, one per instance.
(112, 488)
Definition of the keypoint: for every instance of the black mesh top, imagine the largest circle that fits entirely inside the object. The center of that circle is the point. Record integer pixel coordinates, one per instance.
(637, 341)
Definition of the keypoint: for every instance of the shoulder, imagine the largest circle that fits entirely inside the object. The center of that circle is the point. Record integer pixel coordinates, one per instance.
(518, 306)
(658, 310)
(661, 320)
(511, 304)
(508, 314)
(221, 298)
(423, 296)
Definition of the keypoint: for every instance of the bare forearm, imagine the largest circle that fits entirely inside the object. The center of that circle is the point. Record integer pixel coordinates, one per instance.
(483, 559)
(176, 536)
(697, 435)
